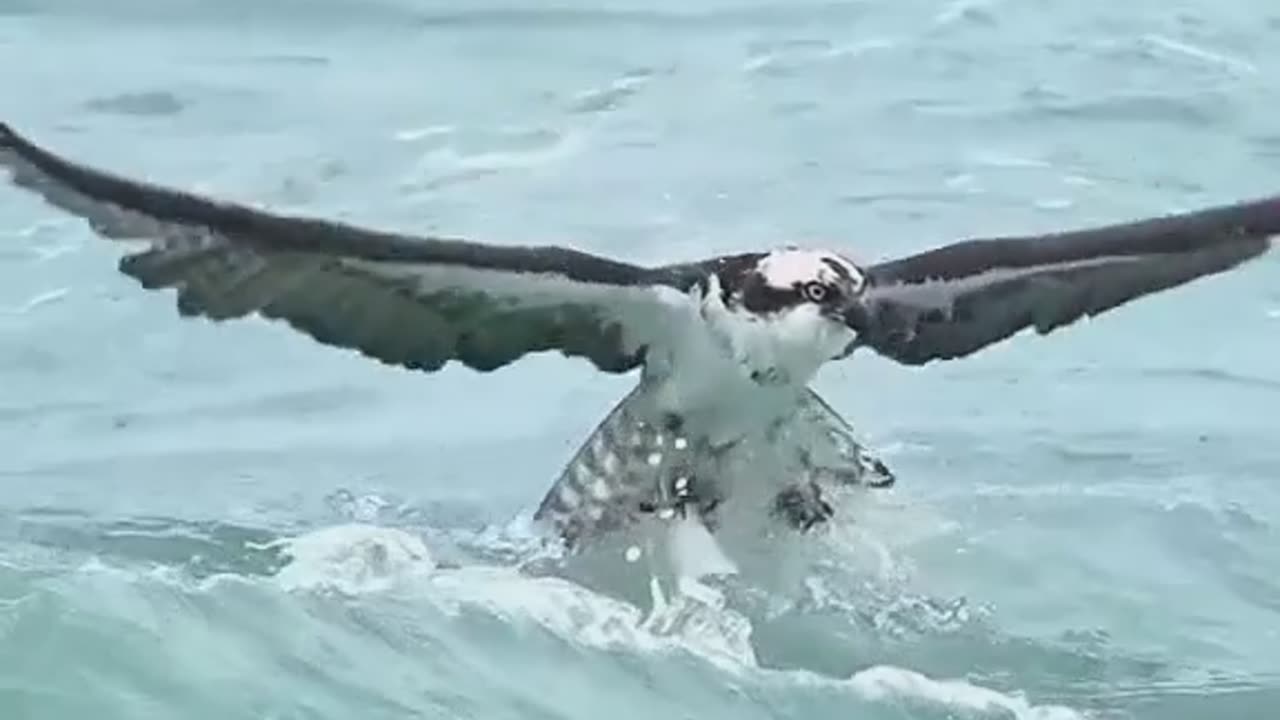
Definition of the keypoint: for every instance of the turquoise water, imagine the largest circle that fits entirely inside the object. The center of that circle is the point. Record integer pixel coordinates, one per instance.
(230, 521)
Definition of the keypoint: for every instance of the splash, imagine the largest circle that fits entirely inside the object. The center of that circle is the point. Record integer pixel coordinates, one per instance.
(368, 560)
(352, 559)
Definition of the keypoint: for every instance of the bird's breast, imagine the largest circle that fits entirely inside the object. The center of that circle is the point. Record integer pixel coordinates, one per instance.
(720, 404)
(717, 383)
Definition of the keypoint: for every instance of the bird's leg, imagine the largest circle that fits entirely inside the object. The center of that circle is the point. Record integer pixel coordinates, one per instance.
(802, 506)
(682, 495)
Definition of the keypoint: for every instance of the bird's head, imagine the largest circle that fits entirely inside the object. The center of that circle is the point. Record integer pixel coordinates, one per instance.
(801, 304)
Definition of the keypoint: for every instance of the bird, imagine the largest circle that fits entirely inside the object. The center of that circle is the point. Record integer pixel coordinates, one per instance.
(722, 421)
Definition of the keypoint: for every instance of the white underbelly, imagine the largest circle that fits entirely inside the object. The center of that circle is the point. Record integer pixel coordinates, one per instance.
(721, 403)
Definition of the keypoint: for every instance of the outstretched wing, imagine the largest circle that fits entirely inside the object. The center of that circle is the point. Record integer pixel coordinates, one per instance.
(952, 301)
(410, 301)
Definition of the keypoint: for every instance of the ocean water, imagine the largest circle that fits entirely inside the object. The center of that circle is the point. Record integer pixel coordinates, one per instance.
(230, 521)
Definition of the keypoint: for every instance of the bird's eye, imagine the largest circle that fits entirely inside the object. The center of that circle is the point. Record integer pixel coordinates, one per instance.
(815, 291)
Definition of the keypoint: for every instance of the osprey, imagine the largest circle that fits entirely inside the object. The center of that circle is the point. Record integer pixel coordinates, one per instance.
(725, 347)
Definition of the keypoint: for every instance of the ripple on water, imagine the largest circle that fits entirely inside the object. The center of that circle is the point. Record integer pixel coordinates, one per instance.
(612, 96)
(479, 153)
(155, 103)
(1143, 108)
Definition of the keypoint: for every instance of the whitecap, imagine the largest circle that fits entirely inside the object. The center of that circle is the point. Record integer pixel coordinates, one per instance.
(352, 559)
(882, 682)
(367, 560)
(520, 149)
(1058, 203)
(1208, 57)
(429, 132)
(718, 636)
(584, 618)
(359, 559)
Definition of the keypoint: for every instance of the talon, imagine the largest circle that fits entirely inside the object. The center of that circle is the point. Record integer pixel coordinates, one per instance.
(802, 507)
(683, 495)
(881, 475)
(886, 479)
(664, 511)
(682, 488)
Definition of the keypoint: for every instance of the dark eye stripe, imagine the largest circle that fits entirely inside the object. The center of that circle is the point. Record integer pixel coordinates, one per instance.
(759, 297)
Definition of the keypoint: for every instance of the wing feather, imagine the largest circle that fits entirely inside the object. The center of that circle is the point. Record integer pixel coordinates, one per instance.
(417, 302)
(955, 300)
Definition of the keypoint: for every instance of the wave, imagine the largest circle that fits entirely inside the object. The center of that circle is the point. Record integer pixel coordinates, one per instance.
(367, 617)
(393, 621)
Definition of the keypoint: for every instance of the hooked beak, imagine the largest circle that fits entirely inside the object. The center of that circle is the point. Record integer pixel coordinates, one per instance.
(855, 315)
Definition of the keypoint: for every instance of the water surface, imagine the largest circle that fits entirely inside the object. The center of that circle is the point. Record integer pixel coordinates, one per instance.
(229, 521)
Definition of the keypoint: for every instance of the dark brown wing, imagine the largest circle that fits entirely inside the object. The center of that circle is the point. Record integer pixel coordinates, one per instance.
(411, 301)
(955, 300)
